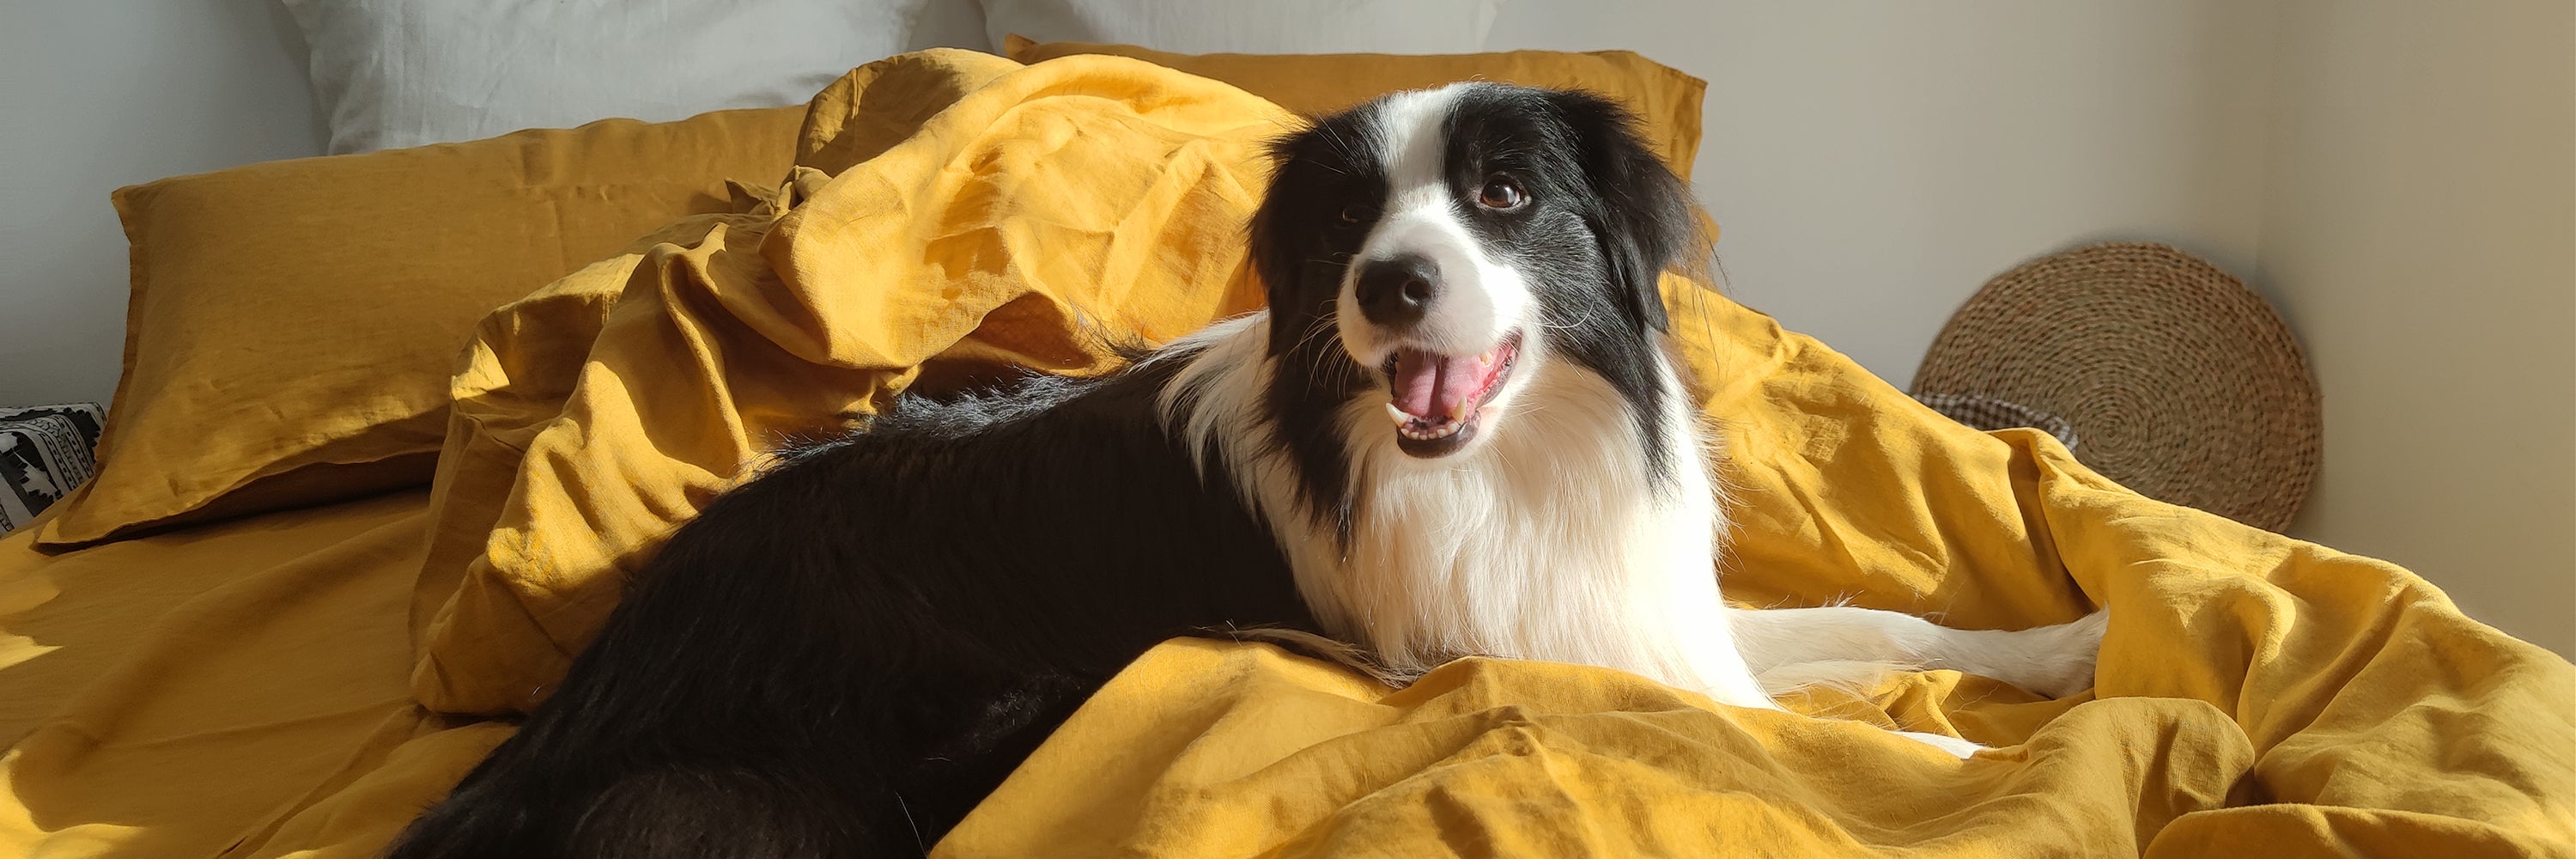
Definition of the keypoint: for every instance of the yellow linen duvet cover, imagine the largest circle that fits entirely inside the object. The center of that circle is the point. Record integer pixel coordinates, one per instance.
(955, 214)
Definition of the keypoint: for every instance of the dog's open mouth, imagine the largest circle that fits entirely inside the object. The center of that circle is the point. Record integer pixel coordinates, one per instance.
(1437, 398)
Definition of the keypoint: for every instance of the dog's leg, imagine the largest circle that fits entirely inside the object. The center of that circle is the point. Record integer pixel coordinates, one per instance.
(1798, 647)
(1962, 749)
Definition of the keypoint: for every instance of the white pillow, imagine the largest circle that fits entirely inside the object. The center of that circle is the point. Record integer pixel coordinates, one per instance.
(1252, 26)
(396, 73)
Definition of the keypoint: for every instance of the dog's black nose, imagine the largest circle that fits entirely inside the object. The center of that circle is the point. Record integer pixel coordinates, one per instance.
(1395, 292)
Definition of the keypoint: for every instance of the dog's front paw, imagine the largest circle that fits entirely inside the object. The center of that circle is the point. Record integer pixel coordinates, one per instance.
(2076, 647)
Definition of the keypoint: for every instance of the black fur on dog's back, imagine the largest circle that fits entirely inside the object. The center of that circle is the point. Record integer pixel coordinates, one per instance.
(843, 656)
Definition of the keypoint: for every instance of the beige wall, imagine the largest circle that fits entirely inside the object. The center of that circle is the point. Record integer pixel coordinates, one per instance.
(2419, 229)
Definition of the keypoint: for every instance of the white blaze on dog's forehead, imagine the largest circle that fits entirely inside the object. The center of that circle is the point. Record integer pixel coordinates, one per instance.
(1413, 141)
(1482, 300)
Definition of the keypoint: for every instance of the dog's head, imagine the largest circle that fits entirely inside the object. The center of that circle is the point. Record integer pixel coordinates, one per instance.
(1440, 248)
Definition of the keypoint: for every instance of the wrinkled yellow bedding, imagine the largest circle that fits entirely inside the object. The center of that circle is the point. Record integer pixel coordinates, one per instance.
(240, 688)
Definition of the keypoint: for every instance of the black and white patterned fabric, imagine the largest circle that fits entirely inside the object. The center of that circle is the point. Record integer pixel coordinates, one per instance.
(1988, 413)
(45, 453)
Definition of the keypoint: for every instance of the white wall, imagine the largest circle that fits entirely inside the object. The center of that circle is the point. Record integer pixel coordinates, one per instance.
(1870, 164)
(97, 94)
(2419, 231)
(2395, 174)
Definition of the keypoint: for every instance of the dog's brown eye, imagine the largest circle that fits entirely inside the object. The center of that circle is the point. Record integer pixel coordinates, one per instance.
(1502, 193)
(1355, 213)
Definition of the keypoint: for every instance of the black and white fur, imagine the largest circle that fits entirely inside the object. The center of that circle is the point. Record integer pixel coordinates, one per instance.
(841, 657)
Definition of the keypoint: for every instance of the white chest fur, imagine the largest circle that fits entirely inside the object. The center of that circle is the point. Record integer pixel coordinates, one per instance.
(1546, 541)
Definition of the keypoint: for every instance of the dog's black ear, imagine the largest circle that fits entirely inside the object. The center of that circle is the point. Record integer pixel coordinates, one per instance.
(1281, 231)
(1647, 221)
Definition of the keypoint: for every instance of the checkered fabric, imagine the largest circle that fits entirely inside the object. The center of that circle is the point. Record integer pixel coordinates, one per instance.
(1988, 413)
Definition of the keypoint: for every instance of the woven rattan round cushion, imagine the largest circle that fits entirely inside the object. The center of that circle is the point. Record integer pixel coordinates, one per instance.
(2183, 384)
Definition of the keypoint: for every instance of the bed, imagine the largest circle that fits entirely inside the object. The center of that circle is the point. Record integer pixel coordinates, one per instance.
(329, 556)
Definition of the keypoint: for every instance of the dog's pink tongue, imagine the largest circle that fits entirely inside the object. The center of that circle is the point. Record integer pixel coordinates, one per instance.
(1417, 381)
(1433, 386)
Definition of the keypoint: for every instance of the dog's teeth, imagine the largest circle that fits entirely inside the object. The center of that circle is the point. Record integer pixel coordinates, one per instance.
(1486, 358)
(1458, 410)
(1398, 416)
(1435, 433)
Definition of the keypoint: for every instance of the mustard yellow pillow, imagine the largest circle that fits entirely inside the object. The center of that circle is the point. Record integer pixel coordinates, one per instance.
(1666, 100)
(292, 325)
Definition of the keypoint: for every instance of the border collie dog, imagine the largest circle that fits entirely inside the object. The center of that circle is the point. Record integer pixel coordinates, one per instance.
(1456, 431)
